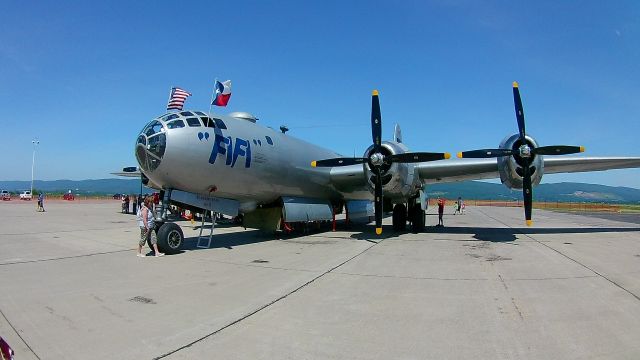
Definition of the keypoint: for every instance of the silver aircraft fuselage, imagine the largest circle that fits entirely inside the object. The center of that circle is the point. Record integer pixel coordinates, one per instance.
(233, 158)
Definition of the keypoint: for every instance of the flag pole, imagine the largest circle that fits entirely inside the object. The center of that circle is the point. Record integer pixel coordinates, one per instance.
(215, 82)
(170, 92)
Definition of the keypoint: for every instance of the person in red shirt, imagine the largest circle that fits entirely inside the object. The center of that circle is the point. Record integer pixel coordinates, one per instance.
(440, 211)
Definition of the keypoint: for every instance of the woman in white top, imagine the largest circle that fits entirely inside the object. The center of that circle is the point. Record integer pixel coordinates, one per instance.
(146, 224)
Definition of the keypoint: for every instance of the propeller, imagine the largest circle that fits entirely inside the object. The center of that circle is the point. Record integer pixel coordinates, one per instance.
(377, 160)
(524, 152)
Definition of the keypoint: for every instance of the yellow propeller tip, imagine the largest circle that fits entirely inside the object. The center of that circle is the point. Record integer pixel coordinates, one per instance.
(374, 93)
(581, 148)
(529, 222)
(378, 231)
(447, 156)
(515, 84)
(460, 154)
(313, 163)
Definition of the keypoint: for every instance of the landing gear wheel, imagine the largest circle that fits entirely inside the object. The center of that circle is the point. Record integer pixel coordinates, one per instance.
(417, 219)
(170, 238)
(399, 217)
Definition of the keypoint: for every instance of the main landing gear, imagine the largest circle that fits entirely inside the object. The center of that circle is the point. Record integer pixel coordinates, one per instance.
(415, 215)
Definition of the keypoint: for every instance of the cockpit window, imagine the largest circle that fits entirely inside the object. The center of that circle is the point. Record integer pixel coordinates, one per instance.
(142, 140)
(175, 124)
(157, 145)
(269, 141)
(193, 122)
(220, 123)
(154, 127)
(186, 113)
(200, 113)
(208, 122)
(170, 117)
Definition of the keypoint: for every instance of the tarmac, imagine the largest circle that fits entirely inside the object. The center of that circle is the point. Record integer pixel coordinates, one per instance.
(483, 287)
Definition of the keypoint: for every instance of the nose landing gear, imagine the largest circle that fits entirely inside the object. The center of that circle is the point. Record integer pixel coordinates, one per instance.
(170, 236)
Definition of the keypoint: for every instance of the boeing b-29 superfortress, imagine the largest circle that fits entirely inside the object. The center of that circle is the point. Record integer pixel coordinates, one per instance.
(232, 165)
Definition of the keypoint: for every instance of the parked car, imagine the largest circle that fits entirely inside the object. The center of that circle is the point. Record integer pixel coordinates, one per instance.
(5, 195)
(25, 195)
(118, 196)
(68, 196)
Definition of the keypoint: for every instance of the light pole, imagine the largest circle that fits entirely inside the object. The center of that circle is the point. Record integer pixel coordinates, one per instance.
(33, 161)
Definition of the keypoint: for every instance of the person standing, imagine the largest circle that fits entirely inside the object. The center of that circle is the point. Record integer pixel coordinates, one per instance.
(134, 208)
(41, 202)
(126, 204)
(440, 211)
(458, 206)
(146, 224)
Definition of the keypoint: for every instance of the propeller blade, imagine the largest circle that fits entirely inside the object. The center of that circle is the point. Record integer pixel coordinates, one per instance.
(376, 121)
(558, 150)
(337, 162)
(527, 193)
(519, 111)
(378, 201)
(417, 157)
(485, 153)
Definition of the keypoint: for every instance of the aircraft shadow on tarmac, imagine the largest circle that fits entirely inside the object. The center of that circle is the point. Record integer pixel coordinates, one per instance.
(247, 237)
(365, 232)
(509, 234)
(227, 240)
(493, 234)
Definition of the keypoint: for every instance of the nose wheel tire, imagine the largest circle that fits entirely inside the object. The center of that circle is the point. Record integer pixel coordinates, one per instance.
(170, 238)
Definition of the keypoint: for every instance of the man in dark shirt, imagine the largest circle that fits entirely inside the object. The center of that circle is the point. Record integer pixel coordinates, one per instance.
(440, 211)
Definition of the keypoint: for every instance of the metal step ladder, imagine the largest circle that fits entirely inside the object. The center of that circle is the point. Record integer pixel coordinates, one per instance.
(200, 237)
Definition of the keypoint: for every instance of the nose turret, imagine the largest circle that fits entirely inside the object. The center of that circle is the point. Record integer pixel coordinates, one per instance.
(151, 145)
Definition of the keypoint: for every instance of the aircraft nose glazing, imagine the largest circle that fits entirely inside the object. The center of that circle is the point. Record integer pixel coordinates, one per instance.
(150, 146)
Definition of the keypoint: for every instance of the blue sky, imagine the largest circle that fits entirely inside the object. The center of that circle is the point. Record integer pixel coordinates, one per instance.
(84, 77)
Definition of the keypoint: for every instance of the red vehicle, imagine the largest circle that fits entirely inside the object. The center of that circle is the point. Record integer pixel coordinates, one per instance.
(68, 196)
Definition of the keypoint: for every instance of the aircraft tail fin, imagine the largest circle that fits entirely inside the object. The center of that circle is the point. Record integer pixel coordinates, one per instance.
(397, 134)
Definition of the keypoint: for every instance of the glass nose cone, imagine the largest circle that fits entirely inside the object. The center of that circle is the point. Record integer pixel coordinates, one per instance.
(150, 146)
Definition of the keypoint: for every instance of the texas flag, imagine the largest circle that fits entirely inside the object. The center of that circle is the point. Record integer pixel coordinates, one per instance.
(223, 93)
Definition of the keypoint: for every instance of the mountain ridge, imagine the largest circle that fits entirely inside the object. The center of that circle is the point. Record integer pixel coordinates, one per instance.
(479, 190)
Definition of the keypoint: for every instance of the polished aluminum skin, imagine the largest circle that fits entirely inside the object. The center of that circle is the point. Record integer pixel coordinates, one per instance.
(236, 158)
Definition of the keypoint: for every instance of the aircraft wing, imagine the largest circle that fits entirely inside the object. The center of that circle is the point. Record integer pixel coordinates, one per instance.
(477, 169)
(127, 174)
(348, 179)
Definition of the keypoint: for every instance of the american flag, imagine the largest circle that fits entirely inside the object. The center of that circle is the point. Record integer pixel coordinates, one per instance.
(177, 98)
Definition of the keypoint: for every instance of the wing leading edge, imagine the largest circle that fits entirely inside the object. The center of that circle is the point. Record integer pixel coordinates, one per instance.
(478, 169)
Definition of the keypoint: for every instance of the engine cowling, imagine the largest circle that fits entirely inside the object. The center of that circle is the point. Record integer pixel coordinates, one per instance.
(510, 167)
(399, 180)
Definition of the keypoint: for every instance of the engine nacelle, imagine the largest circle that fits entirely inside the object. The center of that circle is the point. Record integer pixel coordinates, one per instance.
(510, 167)
(399, 180)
